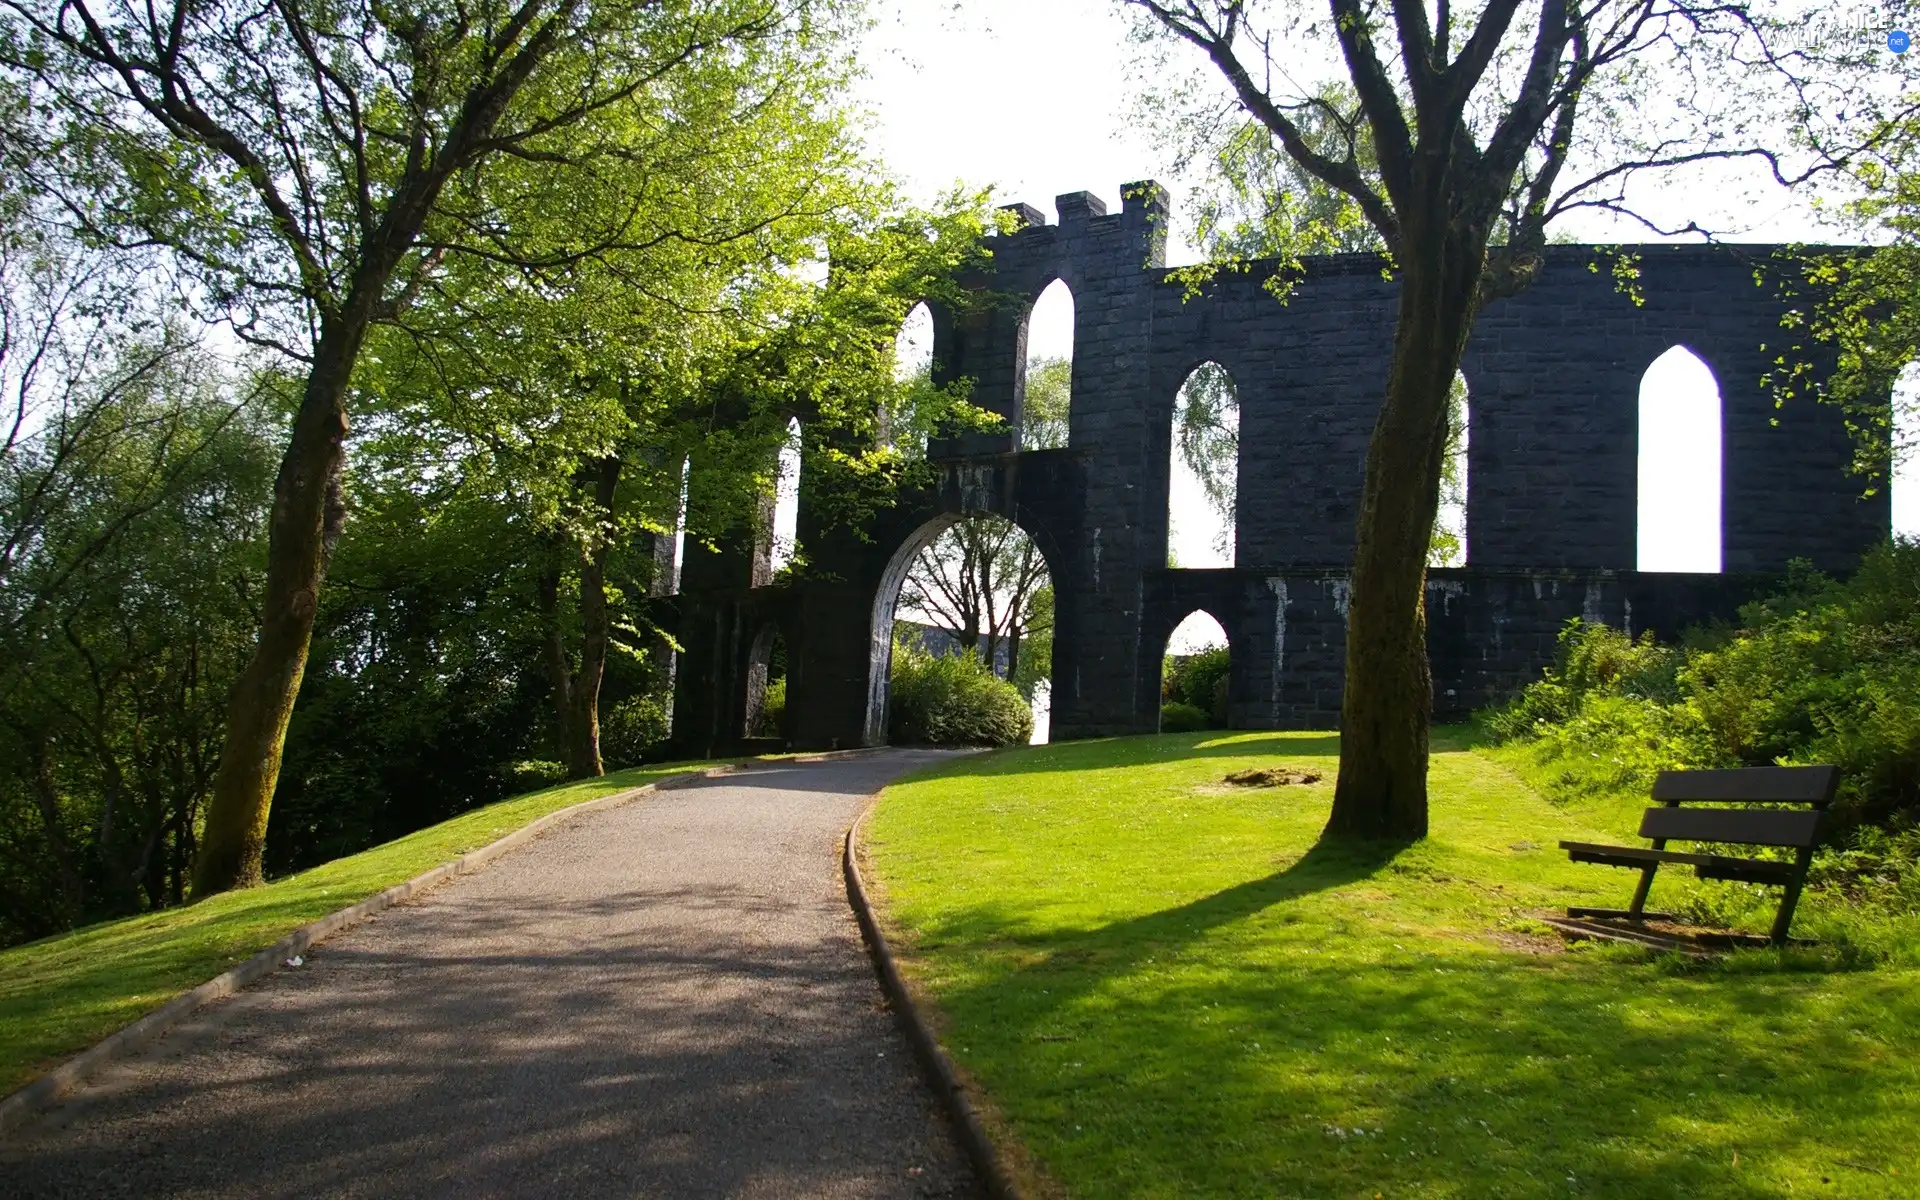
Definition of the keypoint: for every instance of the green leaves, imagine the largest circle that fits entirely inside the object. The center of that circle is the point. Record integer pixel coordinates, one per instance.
(130, 562)
(1045, 410)
(1821, 671)
(1860, 311)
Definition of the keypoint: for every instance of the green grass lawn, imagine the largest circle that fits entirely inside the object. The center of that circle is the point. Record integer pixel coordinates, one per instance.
(61, 994)
(1166, 988)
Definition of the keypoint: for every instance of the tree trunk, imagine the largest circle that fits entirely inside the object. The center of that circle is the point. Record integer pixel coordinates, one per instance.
(307, 517)
(46, 794)
(583, 725)
(559, 667)
(1388, 700)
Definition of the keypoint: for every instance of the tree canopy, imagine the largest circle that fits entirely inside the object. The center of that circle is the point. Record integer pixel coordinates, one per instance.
(1461, 133)
(541, 208)
(1860, 309)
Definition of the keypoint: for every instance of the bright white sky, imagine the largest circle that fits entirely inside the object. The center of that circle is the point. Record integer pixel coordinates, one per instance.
(1032, 99)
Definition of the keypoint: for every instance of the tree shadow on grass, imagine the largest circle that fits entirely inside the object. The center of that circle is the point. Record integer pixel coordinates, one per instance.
(1329, 864)
(1228, 1046)
(1146, 749)
(1246, 1081)
(1105, 753)
(1262, 1041)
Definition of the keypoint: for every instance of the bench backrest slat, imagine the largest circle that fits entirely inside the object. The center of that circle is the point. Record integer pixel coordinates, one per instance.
(1753, 785)
(1750, 826)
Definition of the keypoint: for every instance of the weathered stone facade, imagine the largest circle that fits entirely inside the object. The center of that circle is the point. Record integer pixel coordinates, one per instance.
(1554, 377)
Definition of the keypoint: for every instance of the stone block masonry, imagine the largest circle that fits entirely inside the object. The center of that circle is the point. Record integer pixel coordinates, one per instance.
(1553, 376)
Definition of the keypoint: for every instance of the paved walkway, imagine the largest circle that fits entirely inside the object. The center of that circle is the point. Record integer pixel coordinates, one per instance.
(666, 999)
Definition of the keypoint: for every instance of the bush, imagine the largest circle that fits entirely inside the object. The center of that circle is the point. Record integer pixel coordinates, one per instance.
(631, 727)
(1198, 680)
(1875, 866)
(953, 700)
(534, 773)
(1823, 672)
(1181, 717)
(773, 710)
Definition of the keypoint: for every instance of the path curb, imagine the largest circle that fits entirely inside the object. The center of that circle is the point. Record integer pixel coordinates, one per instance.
(56, 1085)
(980, 1150)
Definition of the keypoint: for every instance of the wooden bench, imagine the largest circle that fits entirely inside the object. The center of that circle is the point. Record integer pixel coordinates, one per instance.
(1795, 829)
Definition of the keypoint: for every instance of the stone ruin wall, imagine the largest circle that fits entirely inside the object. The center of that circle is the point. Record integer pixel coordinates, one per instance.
(1553, 378)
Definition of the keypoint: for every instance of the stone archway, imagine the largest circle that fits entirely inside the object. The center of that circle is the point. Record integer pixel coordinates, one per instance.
(886, 598)
(761, 664)
(886, 601)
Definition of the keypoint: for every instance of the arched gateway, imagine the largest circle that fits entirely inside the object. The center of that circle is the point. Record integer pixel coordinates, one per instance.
(1550, 518)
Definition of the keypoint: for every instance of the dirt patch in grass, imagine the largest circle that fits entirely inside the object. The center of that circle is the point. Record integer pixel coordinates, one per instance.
(1266, 777)
(1527, 943)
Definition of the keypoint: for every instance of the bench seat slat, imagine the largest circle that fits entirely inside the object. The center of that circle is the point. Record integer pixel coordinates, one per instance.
(1747, 870)
(1613, 856)
(1750, 870)
(1751, 826)
(1752, 785)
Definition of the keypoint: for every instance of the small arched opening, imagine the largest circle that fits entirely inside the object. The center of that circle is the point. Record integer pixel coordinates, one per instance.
(975, 590)
(766, 708)
(1203, 477)
(1678, 518)
(1194, 673)
(1046, 373)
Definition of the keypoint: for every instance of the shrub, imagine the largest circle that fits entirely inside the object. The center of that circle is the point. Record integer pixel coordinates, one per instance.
(1181, 717)
(953, 700)
(534, 773)
(629, 727)
(773, 710)
(1875, 866)
(1822, 672)
(1199, 680)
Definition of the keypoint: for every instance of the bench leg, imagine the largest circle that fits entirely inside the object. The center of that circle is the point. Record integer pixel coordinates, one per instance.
(1637, 909)
(1783, 920)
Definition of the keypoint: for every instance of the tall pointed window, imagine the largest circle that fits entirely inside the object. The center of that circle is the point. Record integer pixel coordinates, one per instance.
(898, 423)
(680, 528)
(913, 346)
(1049, 370)
(1906, 453)
(786, 498)
(1679, 485)
(1449, 545)
(1204, 478)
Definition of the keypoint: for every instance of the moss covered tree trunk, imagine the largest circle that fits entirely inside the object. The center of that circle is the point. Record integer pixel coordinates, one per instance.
(583, 725)
(306, 520)
(576, 689)
(1388, 699)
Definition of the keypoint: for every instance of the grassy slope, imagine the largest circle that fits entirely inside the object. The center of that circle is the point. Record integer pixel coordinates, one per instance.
(1168, 991)
(61, 994)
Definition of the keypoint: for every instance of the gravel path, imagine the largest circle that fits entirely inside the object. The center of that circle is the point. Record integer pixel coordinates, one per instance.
(667, 999)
